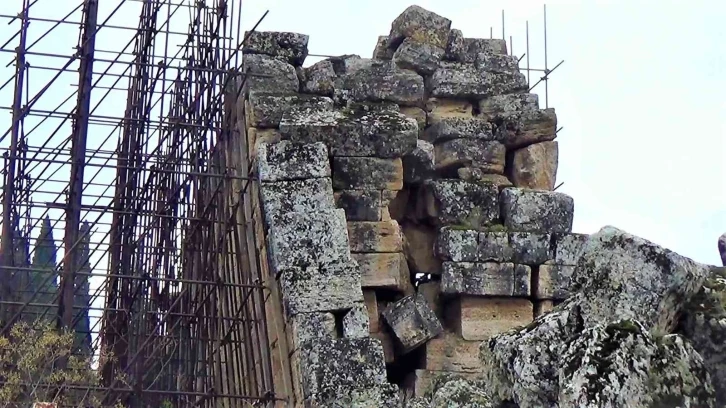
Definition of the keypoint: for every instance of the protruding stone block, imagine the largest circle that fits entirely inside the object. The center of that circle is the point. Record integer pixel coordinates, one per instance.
(423, 383)
(477, 175)
(380, 81)
(360, 205)
(442, 129)
(296, 196)
(382, 51)
(530, 248)
(356, 323)
(305, 327)
(485, 279)
(472, 81)
(553, 281)
(289, 47)
(304, 239)
(478, 318)
(457, 202)
(455, 46)
(419, 249)
(383, 270)
(494, 246)
(367, 236)
(412, 322)
(360, 130)
(535, 166)
(418, 165)
(367, 173)
(319, 78)
(487, 155)
(491, 46)
(527, 127)
(290, 161)
(458, 245)
(568, 248)
(267, 109)
(449, 352)
(497, 63)
(536, 211)
(499, 107)
(420, 57)
(420, 25)
(267, 74)
(326, 288)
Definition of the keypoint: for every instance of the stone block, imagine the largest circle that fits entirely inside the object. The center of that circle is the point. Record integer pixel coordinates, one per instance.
(257, 137)
(490, 46)
(382, 51)
(416, 113)
(368, 236)
(267, 74)
(296, 196)
(458, 245)
(536, 211)
(289, 47)
(530, 248)
(423, 383)
(497, 63)
(498, 107)
(473, 81)
(389, 349)
(322, 289)
(431, 291)
(383, 270)
(487, 155)
(420, 25)
(360, 205)
(367, 173)
(308, 239)
(319, 78)
(419, 248)
(477, 175)
(266, 110)
(535, 166)
(359, 130)
(448, 108)
(380, 81)
(455, 46)
(418, 166)
(305, 327)
(420, 57)
(356, 323)
(494, 246)
(553, 282)
(542, 307)
(412, 322)
(449, 352)
(290, 161)
(371, 301)
(527, 127)
(479, 318)
(442, 129)
(568, 248)
(457, 202)
(485, 279)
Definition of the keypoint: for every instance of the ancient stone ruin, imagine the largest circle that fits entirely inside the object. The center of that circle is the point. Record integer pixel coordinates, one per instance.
(420, 255)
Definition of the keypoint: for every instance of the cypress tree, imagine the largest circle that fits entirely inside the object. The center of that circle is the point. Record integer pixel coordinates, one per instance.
(81, 294)
(43, 265)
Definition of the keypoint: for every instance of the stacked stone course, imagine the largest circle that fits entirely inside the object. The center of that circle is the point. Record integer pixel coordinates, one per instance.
(408, 206)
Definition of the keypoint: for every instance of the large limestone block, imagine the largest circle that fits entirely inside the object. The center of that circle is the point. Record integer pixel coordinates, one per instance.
(360, 205)
(296, 196)
(500, 107)
(418, 165)
(412, 322)
(389, 348)
(417, 56)
(367, 173)
(568, 248)
(494, 247)
(381, 396)
(380, 81)
(384, 271)
(319, 78)
(473, 81)
(442, 129)
(485, 279)
(355, 322)
(457, 202)
(487, 155)
(530, 248)
(455, 46)
(267, 74)
(479, 318)
(419, 248)
(326, 288)
(420, 25)
(460, 393)
(303, 239)
(305, 327)
(536, 211)
(289, 47)
(291, 161)
(359, 130)
(368, 236)
(527, 127)
(448, 108)
(477, 175)
(553, 281)
(535, 166)
(449, 352)
(266, 110)
(458, 245)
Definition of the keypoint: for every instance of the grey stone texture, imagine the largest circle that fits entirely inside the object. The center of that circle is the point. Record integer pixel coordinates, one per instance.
(267, 109)
(360, 205)
(568, 248)
(457, 127)
(300, 196)
(285, 160)
(457, 202)
(319, 78)
(267, 74)
(527, 127)
(356, 323)
(382, 51)
(485, 279)
(379, 81)
(305, 327)
(412, 322)
(420, 25)
(500, 107)
(553, 282)
(458, 245)
(367, 173)
(418, 165)
(487, 155)
(474, 81)
(536, 211)
(332, 287)
(289, 47)
(417, 56)
(530, 248)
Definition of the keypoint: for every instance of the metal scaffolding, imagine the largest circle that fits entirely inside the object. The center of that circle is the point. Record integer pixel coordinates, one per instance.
(152, 269)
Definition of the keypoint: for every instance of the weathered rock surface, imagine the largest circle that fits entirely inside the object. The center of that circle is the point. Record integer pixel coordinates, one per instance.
(530, 248)
(458, 245)
(380, 237)
(267, 109)
(418, 247)
(485, 279)
(289, 47)
(479, 318)
(384, 270)
(487, 155)
(355, 322)
(568, 248)
(457, 202)
(380, 81)
(553, 281)
(382, 51)
(412, 322)
(420, 57)
(536, 211)
(367, 173)
(360, 205)
(535, 166)
(285, 160)
(420, 25)
(326, 288)
(270, 75)
(477, 175)
(500, 107)
(473, 81)
(418, 165)
(296, 196)
(319, 78)
(527, 127)
(305, 327)
(447, 128)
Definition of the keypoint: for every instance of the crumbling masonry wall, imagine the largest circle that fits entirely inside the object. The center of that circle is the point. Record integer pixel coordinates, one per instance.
(407, 205)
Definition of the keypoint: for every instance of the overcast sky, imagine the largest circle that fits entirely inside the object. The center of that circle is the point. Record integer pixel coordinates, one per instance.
(641, 97)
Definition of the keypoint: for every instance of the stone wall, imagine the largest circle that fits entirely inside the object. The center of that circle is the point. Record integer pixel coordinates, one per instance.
(408, 207)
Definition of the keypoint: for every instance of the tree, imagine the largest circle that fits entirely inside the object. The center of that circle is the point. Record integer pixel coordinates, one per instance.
(43, 265)
(81, 295)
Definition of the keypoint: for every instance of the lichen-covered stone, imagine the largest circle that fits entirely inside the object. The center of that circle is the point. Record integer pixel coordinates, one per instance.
(418, 165)
(527, 127)
(289, 47)
(367, 173)
(356, 323)
(568, 248)
(448, 108)
(455, 46)
(327, 288)
(270, 75)
(420, 25)
(447, 128)
(383, 236)
(360, 205)
(384, 271)
(304, 327)
(499, 107)
(292, 161)
(380, 81)
(477, 175)
(483, 279)
(476, 46)
(382, 51)
(457, 202)
(420, 57)
(319, 78)
(536, 211)
(308, 239)
(494, 246)
(478, 318)
(554, 281)
(296, 196)
(460, 393)
(535, 166)
(359, 130)
(473, 81)
(457, 245)
(449, 352)
(497, 63)
(487, 155)
(380, 396)
(530, 248)
(267, 109)
(412, 322)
